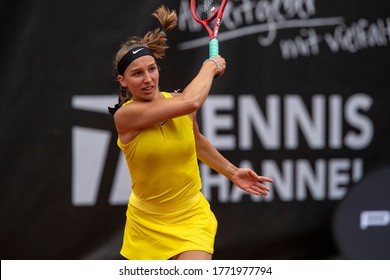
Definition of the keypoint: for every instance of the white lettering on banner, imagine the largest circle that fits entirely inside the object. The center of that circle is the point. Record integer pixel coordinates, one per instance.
(212, 121)
(87, 163)
(324, 123)
(326, 115)
(297, 116)
(361, 139)
(89, 153)
(266, 17)
(294, 180)
(267, 126)
(374, 218)
(359, 35)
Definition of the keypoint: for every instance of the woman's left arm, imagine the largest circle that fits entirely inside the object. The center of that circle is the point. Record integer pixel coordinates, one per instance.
(244, 178)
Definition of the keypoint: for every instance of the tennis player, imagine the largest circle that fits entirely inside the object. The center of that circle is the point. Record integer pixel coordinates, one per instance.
(167, 215)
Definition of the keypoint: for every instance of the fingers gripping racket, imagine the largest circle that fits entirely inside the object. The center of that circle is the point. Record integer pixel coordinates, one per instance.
(204, 12)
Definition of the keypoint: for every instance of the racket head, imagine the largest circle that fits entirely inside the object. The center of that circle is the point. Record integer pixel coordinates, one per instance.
(205, 10)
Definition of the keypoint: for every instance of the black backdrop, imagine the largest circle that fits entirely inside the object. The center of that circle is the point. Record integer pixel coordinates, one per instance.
(304, 100)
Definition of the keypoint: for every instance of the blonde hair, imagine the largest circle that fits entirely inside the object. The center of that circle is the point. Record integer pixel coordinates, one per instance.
(155, 41)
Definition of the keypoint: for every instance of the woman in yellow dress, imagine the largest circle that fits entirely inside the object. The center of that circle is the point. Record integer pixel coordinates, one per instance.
(167, 215)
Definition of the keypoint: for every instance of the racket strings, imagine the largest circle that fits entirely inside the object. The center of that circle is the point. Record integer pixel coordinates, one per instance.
(206, 9)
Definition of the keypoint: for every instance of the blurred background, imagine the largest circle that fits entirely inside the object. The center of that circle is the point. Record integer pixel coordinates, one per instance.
(305, 100)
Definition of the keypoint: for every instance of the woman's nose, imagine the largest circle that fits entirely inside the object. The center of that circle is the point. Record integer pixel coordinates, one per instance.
(148, 77)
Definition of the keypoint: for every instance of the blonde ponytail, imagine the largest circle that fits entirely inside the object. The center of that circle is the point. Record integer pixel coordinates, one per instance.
(156, 40)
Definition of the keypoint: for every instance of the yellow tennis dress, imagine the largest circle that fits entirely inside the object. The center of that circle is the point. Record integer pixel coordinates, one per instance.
(166, 214)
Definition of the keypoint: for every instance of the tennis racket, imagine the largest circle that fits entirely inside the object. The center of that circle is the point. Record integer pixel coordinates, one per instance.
(204, 12)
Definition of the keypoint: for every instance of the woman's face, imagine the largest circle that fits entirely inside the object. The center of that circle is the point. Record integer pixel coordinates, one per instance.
(141, 78)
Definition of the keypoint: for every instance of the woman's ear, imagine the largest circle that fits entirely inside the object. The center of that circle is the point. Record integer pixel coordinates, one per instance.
(121, 81)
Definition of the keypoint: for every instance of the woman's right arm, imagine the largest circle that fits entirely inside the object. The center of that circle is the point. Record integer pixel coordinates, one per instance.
(138, 115)
(197, 91)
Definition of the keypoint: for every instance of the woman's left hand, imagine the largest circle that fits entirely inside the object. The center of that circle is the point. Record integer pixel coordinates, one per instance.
(247, 180)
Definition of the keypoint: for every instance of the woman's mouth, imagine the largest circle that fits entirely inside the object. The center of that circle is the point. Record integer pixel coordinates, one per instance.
(148, 90)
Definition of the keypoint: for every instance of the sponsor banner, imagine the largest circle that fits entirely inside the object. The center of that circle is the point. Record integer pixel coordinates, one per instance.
(304, 101)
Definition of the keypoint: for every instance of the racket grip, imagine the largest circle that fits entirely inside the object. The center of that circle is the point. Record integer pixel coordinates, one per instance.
(213, 47)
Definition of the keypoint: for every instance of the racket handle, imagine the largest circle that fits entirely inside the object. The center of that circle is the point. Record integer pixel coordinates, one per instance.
(213, 47)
